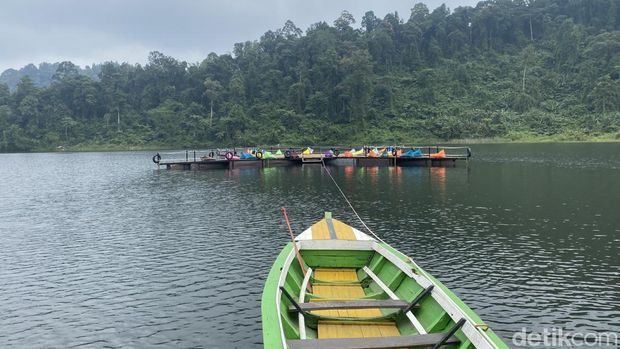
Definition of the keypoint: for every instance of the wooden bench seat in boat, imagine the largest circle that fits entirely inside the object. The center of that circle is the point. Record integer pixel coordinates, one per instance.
(354, 304)
(424, 340)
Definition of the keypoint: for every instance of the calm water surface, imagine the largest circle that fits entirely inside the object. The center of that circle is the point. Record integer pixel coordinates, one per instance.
(102, 250)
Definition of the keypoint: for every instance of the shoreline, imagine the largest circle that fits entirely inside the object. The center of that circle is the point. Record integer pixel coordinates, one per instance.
(558, 139)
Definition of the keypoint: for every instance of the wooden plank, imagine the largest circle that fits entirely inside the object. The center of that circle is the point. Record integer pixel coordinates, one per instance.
(320, 231)
(343, 231)
(361, 322)
(321, 282)
(414, 321)
(335, 274)
(423, 340)
(361, 304)
(339, 292)
(341, 245)
(355, 329)
(302, 299)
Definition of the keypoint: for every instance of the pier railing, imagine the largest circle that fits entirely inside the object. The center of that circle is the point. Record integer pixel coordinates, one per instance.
(193, 155)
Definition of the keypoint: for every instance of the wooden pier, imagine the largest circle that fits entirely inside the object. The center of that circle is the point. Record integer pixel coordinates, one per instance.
(222, 160)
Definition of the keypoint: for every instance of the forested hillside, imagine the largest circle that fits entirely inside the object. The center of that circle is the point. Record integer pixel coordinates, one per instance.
(502, 69)
(43, 75)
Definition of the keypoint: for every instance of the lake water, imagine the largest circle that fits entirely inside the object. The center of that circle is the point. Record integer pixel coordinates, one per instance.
(103, 250)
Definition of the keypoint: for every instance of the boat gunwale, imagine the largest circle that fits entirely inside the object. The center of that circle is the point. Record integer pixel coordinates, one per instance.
(275, 340)
(281, 280)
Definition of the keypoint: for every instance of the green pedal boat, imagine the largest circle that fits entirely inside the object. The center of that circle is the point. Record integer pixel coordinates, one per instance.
(337, 287)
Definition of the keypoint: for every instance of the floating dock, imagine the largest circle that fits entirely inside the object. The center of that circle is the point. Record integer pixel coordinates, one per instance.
(227, 159)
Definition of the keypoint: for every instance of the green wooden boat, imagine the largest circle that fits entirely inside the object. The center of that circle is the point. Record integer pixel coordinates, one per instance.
(340, 288)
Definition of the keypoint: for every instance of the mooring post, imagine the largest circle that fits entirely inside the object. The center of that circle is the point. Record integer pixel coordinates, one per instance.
(186, 155)
(194, 156)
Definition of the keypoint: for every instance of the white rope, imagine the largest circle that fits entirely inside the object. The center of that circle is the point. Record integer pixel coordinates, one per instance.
(349, 202)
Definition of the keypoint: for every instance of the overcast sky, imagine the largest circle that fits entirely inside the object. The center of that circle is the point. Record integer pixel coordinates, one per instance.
(87, 31)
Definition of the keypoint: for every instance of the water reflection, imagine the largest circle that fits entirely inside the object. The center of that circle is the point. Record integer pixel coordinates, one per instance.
(438, 178)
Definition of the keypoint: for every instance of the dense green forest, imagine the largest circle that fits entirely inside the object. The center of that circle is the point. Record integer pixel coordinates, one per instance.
(507, 69)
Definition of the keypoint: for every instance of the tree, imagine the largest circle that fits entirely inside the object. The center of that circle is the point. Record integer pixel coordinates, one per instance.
(605, 96)
(25, 88)
(67, 123)
(14, 139)
(370, 21)
(236, 87)
(65, 69)
(213, 90)
(5, 94)
(290, 30)
(419, 12)
(528, 56)
(344, 22)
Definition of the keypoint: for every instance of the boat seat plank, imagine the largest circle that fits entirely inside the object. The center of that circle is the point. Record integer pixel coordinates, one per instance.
(359, 304)
(346, 283)
(365, 329)
(342, 293)
(335, 274)
(423, 340)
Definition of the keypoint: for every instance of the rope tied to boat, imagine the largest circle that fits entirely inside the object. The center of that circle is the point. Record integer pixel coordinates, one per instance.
(349, 202)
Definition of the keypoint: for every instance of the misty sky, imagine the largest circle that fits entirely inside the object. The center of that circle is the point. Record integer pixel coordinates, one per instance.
(86, 31)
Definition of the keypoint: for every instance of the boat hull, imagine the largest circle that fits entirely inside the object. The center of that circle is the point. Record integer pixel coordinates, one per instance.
(362, 273)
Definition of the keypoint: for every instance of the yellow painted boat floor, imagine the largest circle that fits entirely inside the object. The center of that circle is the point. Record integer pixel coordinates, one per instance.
(347, 329)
